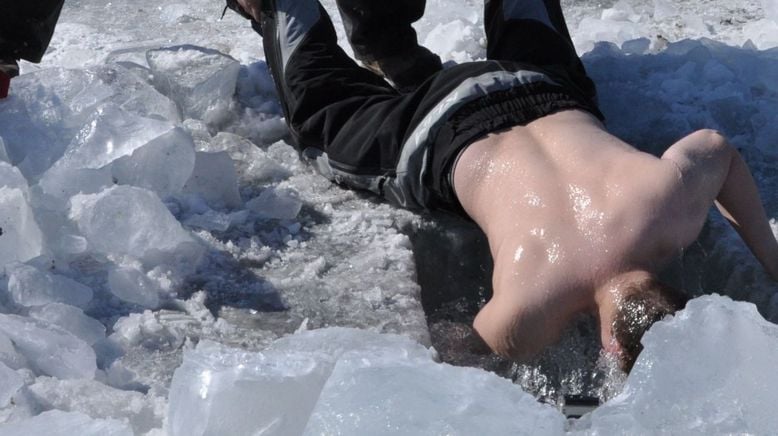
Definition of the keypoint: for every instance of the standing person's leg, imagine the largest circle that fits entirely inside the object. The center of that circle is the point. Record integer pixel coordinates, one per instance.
(382, 37)
(535, 32)
(26, 28)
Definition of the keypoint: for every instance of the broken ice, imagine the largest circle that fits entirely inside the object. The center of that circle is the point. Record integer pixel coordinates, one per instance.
(49, 349)
(59, 423)
(20, 237)
(384, 384)
(125, 220)
(30, 286)
(202, 81)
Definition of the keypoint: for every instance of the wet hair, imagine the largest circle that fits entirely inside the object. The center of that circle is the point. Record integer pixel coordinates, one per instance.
(642, 304)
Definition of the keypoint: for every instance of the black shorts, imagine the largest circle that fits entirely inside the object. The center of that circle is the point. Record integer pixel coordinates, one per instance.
(359, 131)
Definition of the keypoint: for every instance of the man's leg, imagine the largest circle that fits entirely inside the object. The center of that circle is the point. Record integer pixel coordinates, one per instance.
(382, 37)
(345, 118)
(535, 32)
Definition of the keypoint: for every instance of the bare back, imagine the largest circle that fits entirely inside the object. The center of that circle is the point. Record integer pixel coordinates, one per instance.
(564, 205)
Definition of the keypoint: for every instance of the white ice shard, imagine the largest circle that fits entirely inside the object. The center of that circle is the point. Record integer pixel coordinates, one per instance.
(215, 180)
(375, 384)
(10, 382)
(50, 106)
(99, 401)
(118, 147)
(202, 81)
(59, 423)
(71, 319)
(276, 203)
(49, 349)
(8, 354)
(125, 220)
(30, 286)
(132, 285)
(708, 370)
(384, 392)
(11, 177)
(252, 163)
(20, 237)
(218, 390)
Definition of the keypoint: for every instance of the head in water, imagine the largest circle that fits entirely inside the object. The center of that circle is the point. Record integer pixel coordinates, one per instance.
(641, 303)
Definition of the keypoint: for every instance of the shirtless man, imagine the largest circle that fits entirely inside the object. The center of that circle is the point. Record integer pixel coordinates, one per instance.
(577, 220)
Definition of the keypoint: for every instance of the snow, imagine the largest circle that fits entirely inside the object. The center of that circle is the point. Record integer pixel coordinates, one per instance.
(164, 249)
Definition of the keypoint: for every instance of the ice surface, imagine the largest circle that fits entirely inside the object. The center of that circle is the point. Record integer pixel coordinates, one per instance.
(202, 81)
(708, 370)
(30, 286)
(20, 237)
(125, 220)
(277, 203)
(49, 349)
(10, 382)
(71, 319)
(214, 178)
(227, 391)
(59, 423)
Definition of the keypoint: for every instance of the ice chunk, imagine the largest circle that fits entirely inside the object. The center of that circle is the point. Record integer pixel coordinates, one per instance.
(71, 319)
(11, 177)
(131, 221)
(20, 237)
(252, 163)
(49, 349)
(762, 33)
(277, 203)
(29, 286)
(3, 152)
(202, 81)
(99, 401)
(50, 106)
(9, 355)
(215, 221)
(10, 382)
(708, 370)
(385, 393)
(116, 146)
(59, 423)
(771, 9)
(215, 179)
(218, 390)
(131, 284)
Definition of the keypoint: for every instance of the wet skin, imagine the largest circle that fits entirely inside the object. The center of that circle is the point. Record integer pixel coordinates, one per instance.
(573, 214)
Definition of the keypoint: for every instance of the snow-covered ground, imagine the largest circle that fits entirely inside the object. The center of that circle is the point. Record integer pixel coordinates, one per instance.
(170, 263)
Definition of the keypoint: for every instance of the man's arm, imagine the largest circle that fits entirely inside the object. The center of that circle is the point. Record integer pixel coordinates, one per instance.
(713, 169)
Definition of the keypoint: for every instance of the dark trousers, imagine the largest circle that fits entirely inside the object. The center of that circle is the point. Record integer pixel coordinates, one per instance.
(361, 132)
(26, 27)
(378, 29)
